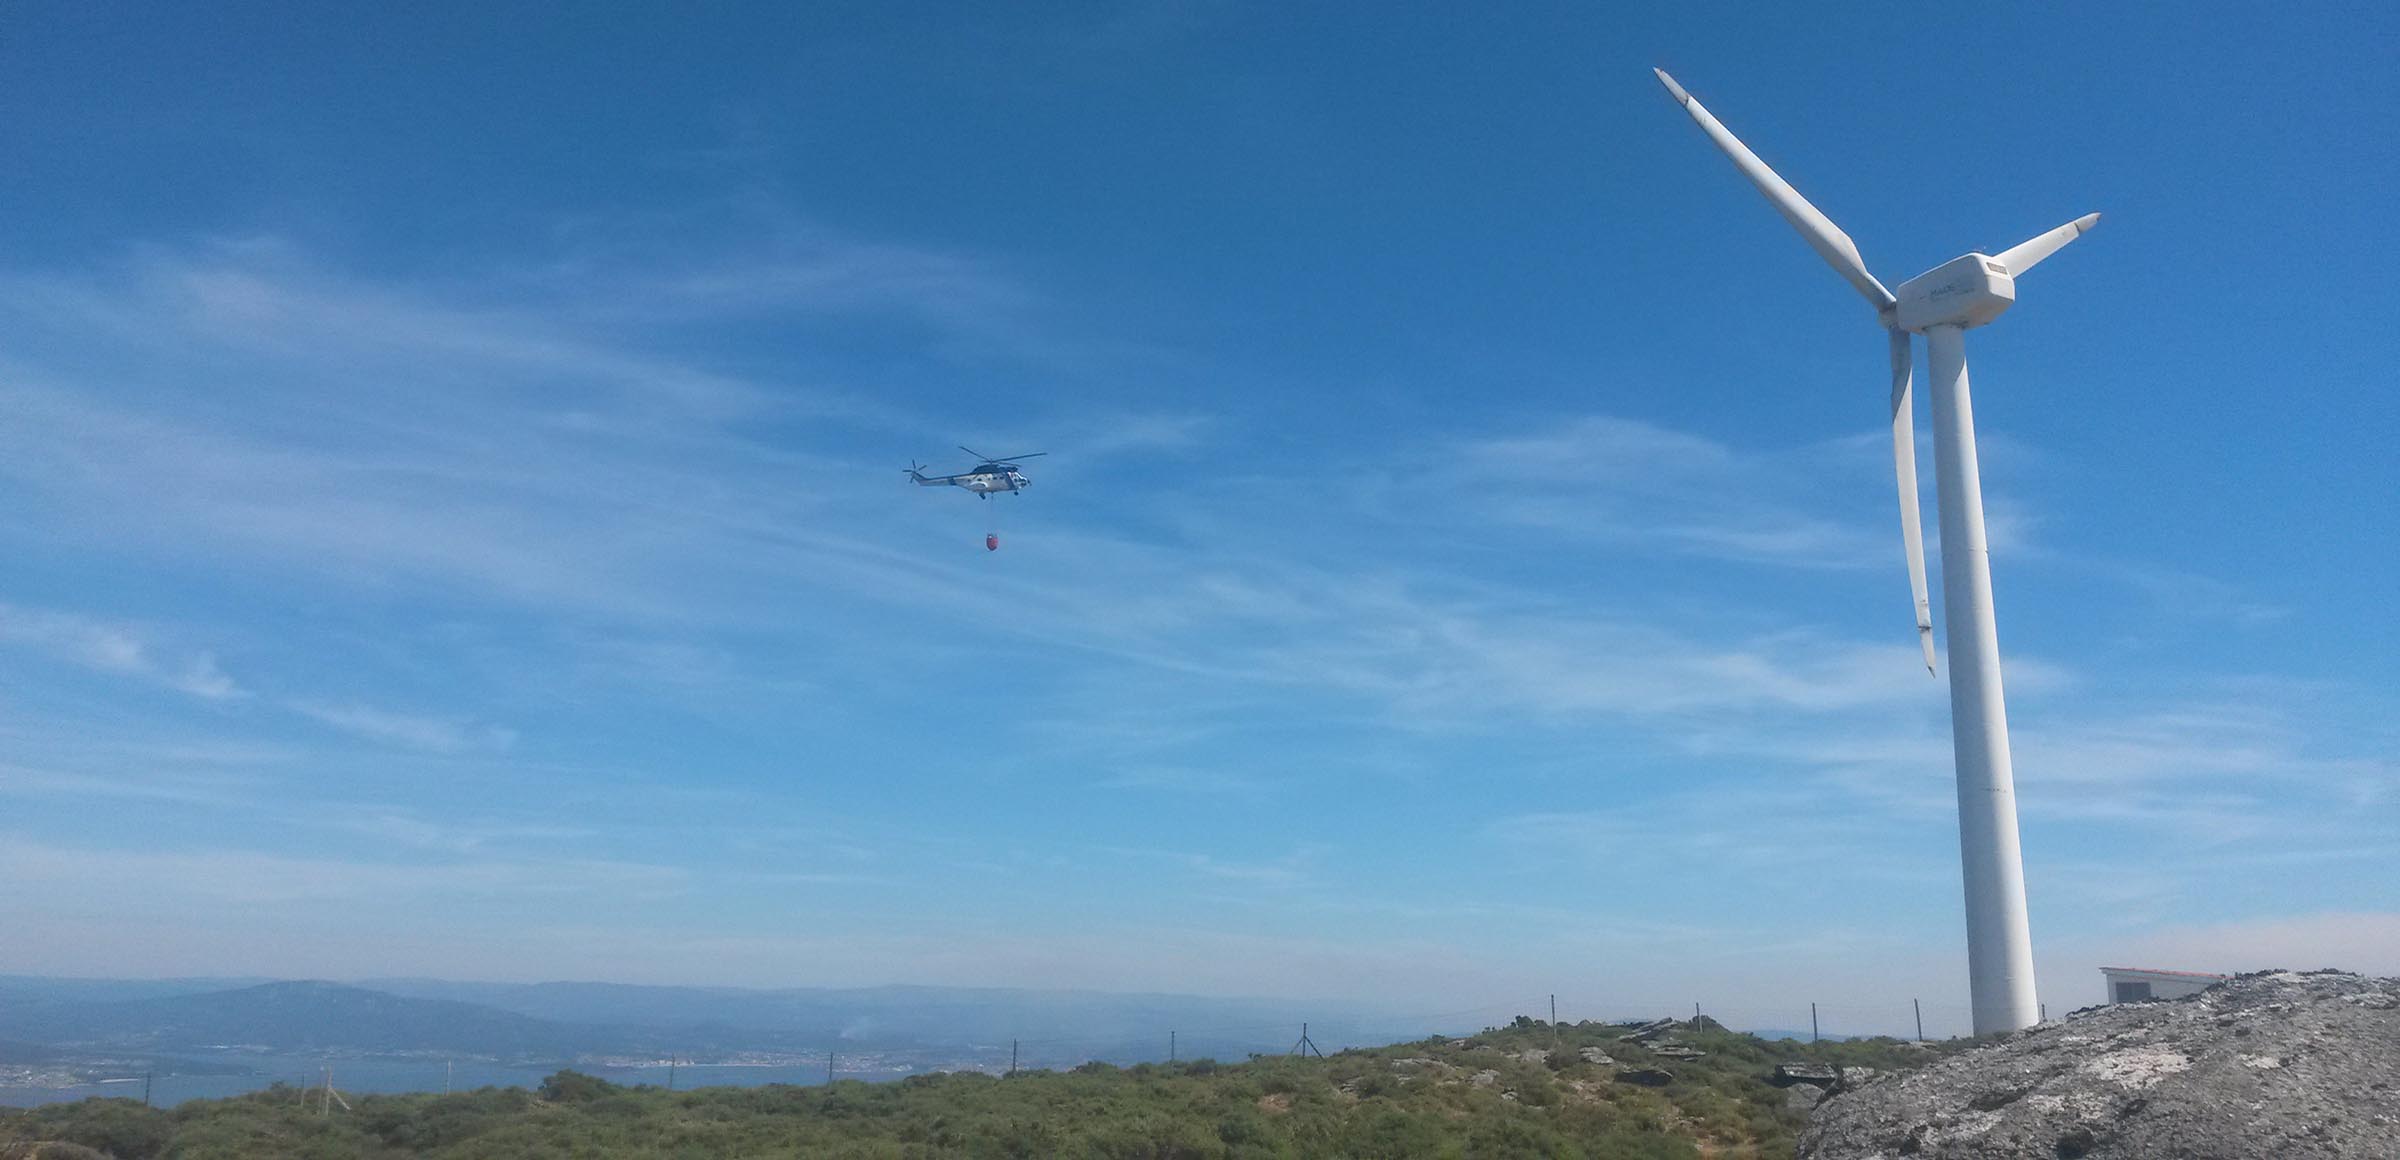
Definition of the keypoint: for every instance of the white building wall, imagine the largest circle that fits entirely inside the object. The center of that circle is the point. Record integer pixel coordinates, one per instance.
(2131, 984)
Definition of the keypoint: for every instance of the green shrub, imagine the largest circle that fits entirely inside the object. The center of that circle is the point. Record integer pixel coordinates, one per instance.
(574, 1087)
(1270, 1108)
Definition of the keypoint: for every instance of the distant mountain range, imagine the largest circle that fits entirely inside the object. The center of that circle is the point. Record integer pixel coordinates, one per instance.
(901, 1016)
(561, 1021)
(45, 989)
(293, 1017)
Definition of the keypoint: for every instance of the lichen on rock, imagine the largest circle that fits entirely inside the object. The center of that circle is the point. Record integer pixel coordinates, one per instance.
(2273, 1064)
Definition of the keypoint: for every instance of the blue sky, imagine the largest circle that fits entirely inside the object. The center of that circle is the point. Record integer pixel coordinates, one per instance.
(450, 517)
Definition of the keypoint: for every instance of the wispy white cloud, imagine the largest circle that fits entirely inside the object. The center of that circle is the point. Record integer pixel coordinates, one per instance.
(1184, 780)
(539, 448)
(115, 647)
(1743, 827)
(1642, 487)
(2234, 779)
(2187, 744)
(414, 731)
(1285, 872)
(1438, 663)
(2189, 596)
(1105, 437)
(649, 270)
(75, 876)
(689, 520)
(166, 786)
(459, 836)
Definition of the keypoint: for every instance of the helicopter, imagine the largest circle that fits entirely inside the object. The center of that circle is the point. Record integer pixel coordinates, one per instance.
(994, 473)
(1000, 473)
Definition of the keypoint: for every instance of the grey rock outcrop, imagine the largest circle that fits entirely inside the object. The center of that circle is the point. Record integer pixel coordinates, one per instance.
(2274, 1064)
(1821, 1074)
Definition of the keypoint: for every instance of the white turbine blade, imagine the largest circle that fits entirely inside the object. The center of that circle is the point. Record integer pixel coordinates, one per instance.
(1823, 236)
(1904, 464)
(2029, 253)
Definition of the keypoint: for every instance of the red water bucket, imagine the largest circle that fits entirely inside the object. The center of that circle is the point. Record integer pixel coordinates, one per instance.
(991, 543)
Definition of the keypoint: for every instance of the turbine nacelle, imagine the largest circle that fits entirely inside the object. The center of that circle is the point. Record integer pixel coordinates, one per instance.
(1965, 292)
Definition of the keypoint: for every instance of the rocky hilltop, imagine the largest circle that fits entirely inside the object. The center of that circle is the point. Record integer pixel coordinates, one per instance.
(2274, 1064)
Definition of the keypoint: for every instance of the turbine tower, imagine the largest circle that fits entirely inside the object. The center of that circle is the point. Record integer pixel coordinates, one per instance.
(1943, 304)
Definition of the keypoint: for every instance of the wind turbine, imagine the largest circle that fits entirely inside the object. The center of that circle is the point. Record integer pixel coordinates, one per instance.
(1943, 304)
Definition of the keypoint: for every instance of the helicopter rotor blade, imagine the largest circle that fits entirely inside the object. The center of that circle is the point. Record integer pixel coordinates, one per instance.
(1014, 458)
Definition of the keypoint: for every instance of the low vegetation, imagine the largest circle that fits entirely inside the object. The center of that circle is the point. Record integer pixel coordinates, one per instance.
(1527, 1089)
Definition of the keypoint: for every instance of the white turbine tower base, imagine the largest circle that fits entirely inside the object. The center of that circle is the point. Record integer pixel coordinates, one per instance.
(1999, 941)
(1943, 304)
